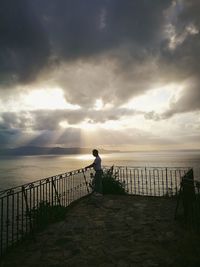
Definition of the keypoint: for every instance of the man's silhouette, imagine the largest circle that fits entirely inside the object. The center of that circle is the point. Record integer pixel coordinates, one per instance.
(98, 173)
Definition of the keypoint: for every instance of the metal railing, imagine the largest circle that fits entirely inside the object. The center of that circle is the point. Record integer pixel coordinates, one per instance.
(17, 204)
(150, 181)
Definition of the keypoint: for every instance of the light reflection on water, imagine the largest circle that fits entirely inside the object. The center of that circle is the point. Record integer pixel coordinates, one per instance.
(19, 170)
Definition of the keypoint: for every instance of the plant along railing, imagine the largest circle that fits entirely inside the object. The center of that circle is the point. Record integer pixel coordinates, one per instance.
(188, 203)
(19, 205)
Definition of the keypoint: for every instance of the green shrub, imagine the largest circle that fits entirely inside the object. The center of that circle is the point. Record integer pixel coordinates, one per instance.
(111, 185)
(45, 214)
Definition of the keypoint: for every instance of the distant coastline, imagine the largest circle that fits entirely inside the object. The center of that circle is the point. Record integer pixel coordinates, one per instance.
(33, 150)
(36, 150)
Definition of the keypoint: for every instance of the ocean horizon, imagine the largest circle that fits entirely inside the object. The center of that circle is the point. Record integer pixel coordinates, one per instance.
(18, 170)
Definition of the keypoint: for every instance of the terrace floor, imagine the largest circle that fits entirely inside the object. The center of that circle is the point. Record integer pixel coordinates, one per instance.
(111, 231)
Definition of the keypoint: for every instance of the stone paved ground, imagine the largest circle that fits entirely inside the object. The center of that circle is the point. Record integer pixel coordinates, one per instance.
(110, 231)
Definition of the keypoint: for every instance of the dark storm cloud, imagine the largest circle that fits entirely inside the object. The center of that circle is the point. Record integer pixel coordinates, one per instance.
(24, 48)
(47, 39)
(9, 137)
(76, 29)
(34, 33)
(191, 11)
(14, 120)
(181, 64)
(108, 79)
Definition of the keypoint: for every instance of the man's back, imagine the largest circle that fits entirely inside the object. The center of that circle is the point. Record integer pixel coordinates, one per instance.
(97, 163)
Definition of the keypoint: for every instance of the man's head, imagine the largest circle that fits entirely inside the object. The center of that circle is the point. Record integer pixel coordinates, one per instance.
(95, 152)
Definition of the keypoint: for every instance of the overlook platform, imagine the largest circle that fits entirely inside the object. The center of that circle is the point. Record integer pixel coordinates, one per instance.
(111, 231)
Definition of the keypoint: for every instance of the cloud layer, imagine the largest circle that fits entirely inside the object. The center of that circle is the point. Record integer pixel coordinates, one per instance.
(110, 50)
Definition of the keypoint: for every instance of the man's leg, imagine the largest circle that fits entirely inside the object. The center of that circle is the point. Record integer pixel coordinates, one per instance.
(98, 182)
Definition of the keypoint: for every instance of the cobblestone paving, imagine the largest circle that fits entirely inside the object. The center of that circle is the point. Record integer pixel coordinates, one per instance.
(106, 231)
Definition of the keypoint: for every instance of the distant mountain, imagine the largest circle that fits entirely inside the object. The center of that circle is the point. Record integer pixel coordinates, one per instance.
(34, 150)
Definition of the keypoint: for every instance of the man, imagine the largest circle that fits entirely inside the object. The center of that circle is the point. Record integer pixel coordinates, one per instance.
(98, 173)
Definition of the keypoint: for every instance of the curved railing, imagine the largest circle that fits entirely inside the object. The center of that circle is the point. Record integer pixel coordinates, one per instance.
(17, 203)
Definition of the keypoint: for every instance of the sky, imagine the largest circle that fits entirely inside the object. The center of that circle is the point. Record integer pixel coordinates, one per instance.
(112, 74)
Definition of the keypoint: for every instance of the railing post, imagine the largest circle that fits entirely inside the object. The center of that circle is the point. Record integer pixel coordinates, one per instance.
(52, 189)
(166, 182)
(85, 181)
(56, 192)
(25, 198)
(28, 210)
(146, 182)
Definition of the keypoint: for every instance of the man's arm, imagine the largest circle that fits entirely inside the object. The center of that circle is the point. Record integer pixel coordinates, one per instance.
(89, 166)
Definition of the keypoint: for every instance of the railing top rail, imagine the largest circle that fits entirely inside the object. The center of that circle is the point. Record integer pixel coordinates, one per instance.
(69, 173)
(152, 167)
(65, 174)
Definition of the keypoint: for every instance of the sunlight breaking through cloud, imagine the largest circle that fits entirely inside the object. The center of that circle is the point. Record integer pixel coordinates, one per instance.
(100, 72)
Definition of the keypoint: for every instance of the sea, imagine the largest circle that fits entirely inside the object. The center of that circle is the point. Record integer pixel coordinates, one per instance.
(19, 170)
